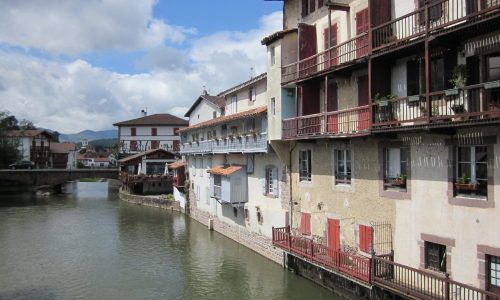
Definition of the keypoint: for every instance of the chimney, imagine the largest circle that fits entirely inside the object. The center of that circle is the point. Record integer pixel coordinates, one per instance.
(143, 113)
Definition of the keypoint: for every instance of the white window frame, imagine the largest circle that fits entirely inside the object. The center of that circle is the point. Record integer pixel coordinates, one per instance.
(271, 184)
(391, 173)
(234, 106)
(341, 171)
(273, 55)
(473, 165)
(305, 165)
(252, 94)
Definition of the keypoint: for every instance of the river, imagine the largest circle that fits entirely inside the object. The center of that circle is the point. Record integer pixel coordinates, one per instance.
(90, 245)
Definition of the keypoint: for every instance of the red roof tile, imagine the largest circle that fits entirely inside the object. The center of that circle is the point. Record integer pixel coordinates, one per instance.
(155, 120)
(176, 165)
(224, 119)
(224, 170)
(62, 147)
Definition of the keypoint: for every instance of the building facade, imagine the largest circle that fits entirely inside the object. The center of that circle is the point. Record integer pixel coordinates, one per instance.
(158, 131)
(386, 113)
(33, 145)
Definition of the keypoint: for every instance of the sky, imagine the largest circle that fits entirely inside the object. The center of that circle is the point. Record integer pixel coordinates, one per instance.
(86, 64)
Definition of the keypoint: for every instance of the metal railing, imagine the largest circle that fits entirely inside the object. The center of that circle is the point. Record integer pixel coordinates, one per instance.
(255, 142)
(343, 122)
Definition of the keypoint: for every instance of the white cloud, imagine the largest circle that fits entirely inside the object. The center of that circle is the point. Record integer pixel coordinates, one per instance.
(73, 96)
(73, 27)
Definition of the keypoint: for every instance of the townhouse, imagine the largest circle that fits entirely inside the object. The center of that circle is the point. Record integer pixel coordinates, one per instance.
(157, 131)
(33, 145)
(236, 179)
(386, 113)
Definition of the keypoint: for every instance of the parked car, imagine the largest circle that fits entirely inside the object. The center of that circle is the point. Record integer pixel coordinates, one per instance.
(22, 164)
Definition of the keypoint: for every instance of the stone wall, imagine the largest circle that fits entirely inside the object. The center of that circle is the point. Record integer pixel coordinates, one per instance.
(151, 201)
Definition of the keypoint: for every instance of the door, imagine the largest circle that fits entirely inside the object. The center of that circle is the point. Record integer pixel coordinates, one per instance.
(334, 234)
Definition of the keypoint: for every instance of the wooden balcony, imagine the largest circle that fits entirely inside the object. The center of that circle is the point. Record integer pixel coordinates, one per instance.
(245, 143)
(353, 266)
(433, 18)
(325, 61)
(475, 103)
(348, 122)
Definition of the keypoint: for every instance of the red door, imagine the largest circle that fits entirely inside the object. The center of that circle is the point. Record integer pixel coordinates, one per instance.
(331, 58)
(334, 234)
(361, 27)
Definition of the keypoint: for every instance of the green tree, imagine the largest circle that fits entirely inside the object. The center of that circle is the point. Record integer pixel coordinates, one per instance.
(8, 146)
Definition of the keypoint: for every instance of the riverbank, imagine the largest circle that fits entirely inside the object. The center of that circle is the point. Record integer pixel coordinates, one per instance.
(157, 201)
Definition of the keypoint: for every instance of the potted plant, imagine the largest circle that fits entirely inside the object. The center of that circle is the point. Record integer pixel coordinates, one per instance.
(381, 100)
(458, 108)
(400, 181)
(463, 184)
(458, 80)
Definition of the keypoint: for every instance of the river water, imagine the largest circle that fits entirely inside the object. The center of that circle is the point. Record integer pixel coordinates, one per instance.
(90, 245)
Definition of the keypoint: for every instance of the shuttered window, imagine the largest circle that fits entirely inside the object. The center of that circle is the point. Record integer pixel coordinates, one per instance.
(154, 131)
(365, 238)
(305, 224)
(271, 182)
(133, 131)
(133, 145)
(305, 165)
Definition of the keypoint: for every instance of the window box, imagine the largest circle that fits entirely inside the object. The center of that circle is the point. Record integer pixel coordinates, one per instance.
(492, 84)
(414, 99)
(400, 182)
(451, 92)
(466, 186)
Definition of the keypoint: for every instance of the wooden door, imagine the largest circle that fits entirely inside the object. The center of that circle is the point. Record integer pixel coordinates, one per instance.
(331, 58)
(334, 234)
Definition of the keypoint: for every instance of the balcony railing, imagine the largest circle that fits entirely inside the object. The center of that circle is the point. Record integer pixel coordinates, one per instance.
(474, 102)
(347, 264)
(352, 121)
(329, 59)
(379, 270)
(255, 142)
(434, 16)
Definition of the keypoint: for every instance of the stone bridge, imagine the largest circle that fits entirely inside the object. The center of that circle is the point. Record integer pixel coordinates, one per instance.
(54, 177)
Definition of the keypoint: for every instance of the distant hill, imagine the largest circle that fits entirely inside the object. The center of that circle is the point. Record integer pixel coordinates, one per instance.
(90, 135)
(106, 143)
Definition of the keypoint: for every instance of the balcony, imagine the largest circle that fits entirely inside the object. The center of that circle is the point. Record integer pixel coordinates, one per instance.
(348, 122)
(474, 103)
(432, 18)
(344, 263)
(327, 60)
(246, 143)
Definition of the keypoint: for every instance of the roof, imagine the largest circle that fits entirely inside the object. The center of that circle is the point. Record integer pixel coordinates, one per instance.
(62, 147)
(242, 85)
(224, 119)
(156, 119)
(276, 36)
(224, 170)
(102, 159)
(132, 157)
(27, 133)
(220, 102)
(176, 165)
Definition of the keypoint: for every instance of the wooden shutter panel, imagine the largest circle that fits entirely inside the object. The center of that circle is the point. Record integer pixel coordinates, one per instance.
(381, 12)
(369, 239)
(362, 239)
(320, 4)
(275, 182)
(305, 224)
(325, 38)
(304, 8)
(312, 6)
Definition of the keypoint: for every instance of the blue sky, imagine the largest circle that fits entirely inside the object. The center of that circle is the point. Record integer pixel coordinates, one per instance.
(70, 72)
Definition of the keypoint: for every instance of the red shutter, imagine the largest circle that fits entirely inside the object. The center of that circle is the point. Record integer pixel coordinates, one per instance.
(176, 145)
(304, 8)
(312, 6)
(305, 224)
(176, 131)
(325, 38)
(154, 131)
(333, 234)
(133, 145)
(361, 27)
(365, 238)
(132, 131)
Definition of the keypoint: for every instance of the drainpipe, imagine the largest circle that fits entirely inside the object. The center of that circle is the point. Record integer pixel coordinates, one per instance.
(291, 199)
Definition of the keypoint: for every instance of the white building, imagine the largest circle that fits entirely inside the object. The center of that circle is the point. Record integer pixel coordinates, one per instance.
(158, 131)
(32, 145)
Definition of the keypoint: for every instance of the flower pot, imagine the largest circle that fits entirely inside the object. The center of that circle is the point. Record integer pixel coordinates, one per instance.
(398, 182)
(492, 84)
(467, 186)
(451, 92)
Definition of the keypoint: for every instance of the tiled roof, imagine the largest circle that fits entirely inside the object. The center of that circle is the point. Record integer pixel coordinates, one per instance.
(26, 133)
(128, 158)
(220, 102)
(276, 36)
(224, 170)
(176, 165)
(243, 85)
(102, 159)
(156, 119)
(224, 119)
(62, 147)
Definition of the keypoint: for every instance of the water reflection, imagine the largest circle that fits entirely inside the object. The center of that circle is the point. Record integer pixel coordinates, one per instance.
(91, 245)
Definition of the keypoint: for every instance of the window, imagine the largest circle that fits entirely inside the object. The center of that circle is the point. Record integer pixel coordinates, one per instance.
(305, 224)
(217, 186)
(250, 163)
(305, 165)
(193, 166)
(155, 144)
(493, 270)
(493, 68)
(133, 145)
(260, 218)
(271, 181)
(343, 166)
(435, 257)
(234, 99)
(365, 238)
(176, 131)
(252, 94)
(133, 131)
(214, 115)
(472, 171)
(273, 56)
(250, 125)
(154, 131)
(396, 164)
(273, 106)
(224, 131)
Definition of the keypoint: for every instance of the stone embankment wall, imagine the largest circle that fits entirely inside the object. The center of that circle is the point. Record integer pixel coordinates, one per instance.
(254, 241)
(152, 201)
